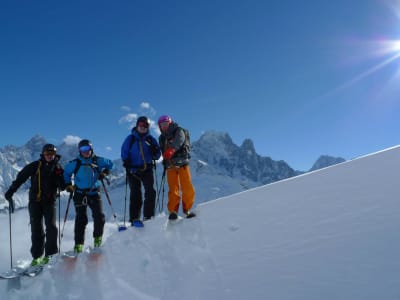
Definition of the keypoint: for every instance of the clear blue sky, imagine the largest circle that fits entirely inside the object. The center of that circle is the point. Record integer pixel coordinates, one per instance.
(299, 78)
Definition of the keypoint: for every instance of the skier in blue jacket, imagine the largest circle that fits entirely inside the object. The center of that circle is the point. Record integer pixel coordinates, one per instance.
(88, 169)
(138, 152)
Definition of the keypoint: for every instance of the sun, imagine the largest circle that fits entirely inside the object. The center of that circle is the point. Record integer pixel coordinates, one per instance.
(396, 46)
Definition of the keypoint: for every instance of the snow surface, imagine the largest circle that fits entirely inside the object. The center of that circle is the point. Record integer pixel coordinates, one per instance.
(329, 234)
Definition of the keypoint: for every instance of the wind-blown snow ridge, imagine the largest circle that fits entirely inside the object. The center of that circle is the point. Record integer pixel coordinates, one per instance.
(329, 234)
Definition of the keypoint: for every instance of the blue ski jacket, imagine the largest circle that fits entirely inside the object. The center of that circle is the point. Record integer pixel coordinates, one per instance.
(138, 151)
(87, 174)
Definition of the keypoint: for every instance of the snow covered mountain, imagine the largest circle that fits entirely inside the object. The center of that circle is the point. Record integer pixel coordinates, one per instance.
(325, 161)
(329, 234)
(219, 167)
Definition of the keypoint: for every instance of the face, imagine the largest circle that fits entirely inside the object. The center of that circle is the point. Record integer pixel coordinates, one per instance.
(164, 126)
(85, 154)
(49, 155)
(142, 127)
(85, 151)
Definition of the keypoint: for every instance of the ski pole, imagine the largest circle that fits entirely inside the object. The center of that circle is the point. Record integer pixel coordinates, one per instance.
(120, 227)
(126, 193)
(9, 218)
(162, 186)
(59, 220)
(66, 215)
(156, 180)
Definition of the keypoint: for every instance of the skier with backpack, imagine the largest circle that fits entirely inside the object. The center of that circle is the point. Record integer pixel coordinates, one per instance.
(46, 176)
(139, 152)
(175, 146)
(87, 169)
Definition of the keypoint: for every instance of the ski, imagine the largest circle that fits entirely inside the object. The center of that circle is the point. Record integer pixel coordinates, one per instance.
(30, 271)
(13, 273)
(33, 271)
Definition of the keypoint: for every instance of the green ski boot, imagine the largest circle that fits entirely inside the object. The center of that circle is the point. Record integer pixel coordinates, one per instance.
(97, 241)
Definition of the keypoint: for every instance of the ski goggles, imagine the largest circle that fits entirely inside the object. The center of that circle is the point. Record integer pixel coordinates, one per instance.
(85, 148)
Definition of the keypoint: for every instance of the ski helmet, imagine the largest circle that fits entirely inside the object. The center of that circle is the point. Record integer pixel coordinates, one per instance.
(164, 119)
(144, 121)
(49, 148)
(85, 145)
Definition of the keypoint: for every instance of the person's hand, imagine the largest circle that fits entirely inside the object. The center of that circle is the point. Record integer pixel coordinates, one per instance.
(126, 163)
(153, 147)
(104, 173)
(8, 195)
(70, 188)
(168, 153)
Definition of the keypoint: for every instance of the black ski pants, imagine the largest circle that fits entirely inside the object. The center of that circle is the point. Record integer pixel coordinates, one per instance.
(81, 202)
(135, 181)
(43, 241)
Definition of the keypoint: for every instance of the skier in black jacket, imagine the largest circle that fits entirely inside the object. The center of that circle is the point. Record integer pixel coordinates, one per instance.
(46, 177)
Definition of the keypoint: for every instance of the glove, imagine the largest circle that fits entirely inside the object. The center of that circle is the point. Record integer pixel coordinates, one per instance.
(70, 188)
(126, 164)
(153, 148)
(168, 153)
(104, 173)
(8, 195)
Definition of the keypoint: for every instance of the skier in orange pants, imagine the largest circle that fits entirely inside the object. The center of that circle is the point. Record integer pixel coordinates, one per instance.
(175, 146)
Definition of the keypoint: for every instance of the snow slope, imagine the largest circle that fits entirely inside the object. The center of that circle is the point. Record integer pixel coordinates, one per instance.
(329, 234)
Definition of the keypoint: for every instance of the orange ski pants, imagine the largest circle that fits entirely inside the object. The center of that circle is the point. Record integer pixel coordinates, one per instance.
(180, 179)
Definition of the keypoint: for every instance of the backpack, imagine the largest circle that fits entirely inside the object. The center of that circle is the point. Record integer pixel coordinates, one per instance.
(186, 145)
(79, 163)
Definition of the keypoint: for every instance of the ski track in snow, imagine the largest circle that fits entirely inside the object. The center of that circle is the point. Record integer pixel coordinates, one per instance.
(150, 263)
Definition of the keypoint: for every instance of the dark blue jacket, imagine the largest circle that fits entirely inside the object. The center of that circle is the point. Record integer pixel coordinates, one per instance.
(138, 151)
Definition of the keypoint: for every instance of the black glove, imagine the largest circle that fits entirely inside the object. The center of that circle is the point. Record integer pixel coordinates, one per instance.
(8, 195)
(104, 173)
(126, 164)
(153, 148)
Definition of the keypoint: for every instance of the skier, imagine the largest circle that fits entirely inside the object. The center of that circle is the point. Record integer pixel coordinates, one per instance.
(138, 152)
(88, 169)
(174, 143)
(46, 177)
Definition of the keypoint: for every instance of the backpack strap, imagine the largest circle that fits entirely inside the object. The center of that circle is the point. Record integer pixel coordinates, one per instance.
(79, 163)
(37, 174)
(131, 142)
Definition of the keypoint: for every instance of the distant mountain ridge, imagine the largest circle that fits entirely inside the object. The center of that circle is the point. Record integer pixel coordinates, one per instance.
(219, 167)
(325, 161)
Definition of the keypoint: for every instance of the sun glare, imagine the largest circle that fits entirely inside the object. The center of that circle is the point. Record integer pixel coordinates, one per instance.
(396, 46)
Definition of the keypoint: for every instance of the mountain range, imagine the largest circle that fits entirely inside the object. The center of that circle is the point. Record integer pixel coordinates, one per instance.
(219, 167)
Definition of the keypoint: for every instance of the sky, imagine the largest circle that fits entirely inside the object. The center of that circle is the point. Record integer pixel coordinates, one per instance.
(328, 234)
(299, 78)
